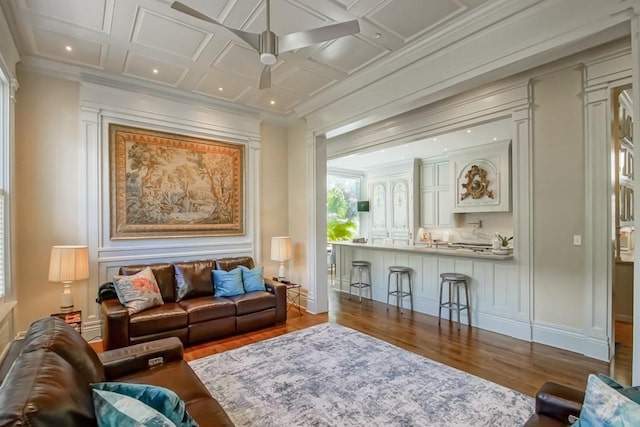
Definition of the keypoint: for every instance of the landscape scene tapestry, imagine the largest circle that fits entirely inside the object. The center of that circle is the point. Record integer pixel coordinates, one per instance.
(166, 185)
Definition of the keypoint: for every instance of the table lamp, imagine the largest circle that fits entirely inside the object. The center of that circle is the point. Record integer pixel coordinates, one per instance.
(281, 252)
(68, 264)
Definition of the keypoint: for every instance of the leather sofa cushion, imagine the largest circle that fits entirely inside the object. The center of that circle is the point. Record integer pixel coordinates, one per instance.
(252, 302)
(209, 409)
(53, 334)
(164, 274)
(157, 319)
(228, 264)
(176, 376)
(45, 390)
(208, 308)
(193, 279)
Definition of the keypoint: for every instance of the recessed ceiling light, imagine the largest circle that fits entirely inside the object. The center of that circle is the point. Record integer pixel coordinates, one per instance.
(445, 148)
(220, 89)
(468, 130)
(406, 145)
(68, 48)
(435, 139)
(495, 139)
(382, 151)
(155, 71)
(402, 158)
(377, 35)
(272, 102)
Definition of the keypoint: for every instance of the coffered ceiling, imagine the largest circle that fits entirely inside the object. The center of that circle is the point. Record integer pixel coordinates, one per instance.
(146, 42)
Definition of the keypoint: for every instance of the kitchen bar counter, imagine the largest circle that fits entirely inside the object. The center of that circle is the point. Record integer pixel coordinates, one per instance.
(499, 298)
(424, 249)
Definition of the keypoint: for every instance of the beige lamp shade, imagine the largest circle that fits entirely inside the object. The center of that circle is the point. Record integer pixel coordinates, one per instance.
(281, 252)
(67, 264)
(280, 248)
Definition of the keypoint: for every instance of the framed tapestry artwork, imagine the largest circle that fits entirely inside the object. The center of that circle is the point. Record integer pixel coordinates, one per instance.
(167, 185)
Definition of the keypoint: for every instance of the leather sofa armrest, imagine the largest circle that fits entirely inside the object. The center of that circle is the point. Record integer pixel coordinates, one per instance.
(280, 291)
(115, 324)
(559, 401)
(134, 358)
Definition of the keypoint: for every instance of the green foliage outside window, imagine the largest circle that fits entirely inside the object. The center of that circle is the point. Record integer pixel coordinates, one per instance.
(341, 215)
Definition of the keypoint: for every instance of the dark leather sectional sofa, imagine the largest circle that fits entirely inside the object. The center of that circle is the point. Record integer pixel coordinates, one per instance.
(555, 403)
(45, 378)
(191, 311)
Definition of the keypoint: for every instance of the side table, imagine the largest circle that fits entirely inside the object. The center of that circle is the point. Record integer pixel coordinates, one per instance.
(73, 319)
(293, 295)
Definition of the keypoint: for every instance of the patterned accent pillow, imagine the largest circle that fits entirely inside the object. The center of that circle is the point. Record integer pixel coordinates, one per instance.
(253, 279)
(227, 283)
(114, 409)
(159, 398)
(139, 291)
(605, 406)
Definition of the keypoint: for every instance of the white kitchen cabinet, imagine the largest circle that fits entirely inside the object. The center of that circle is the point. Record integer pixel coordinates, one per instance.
(481, 178)
(391, 205)
(435, 194)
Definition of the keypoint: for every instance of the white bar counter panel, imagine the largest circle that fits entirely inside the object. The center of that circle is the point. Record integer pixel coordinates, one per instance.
(497, 303)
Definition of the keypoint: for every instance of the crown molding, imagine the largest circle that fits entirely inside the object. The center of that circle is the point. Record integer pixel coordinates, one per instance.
(85, 75)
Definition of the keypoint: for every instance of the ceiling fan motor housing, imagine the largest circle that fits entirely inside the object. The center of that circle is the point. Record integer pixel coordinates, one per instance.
(268, 46)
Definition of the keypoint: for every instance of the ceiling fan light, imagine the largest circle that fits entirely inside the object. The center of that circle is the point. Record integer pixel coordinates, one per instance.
(267, 58)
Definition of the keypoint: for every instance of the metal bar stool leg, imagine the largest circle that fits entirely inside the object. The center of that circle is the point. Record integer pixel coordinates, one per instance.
(466, 294)
(410, 292)
(458, 303)
(440, 305)
(359, 284)
(450, 307)
(388, 289)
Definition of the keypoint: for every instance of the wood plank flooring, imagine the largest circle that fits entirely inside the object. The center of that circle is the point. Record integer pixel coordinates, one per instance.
(513, 363)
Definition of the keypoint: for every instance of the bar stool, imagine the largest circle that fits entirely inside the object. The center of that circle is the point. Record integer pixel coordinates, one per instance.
(399, 293)
(455, 280)
(357, 270)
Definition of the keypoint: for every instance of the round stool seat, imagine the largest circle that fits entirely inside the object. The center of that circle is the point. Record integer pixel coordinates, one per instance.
(360, 263)
(454, 277)
(399, 269)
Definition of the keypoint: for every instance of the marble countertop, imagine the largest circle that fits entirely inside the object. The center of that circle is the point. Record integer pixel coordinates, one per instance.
(457, 252)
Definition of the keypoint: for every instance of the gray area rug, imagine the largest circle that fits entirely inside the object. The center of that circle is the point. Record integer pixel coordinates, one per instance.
(330, 375)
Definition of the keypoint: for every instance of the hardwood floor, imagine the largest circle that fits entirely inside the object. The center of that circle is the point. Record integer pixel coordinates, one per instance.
(513, 363)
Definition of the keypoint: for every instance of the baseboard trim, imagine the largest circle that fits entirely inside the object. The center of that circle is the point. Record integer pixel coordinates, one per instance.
(571, 339)
(624, 318)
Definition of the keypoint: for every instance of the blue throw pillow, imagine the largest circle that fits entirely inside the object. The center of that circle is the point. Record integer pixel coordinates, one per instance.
(632, 393)
(158, 398)
(118, 410)
(253, 280)
(227, 283)
(605, 406)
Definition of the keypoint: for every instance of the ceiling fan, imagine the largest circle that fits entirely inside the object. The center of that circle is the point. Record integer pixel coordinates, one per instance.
(269, 45)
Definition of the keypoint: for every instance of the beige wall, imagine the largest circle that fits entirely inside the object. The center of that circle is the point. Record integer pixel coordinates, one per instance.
(298, 202)
(558, 199)
(49, 203)
(273, 189)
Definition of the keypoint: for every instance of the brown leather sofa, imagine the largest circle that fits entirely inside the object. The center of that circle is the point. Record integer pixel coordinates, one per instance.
(45, 377)
(555, 403)
(190, 311)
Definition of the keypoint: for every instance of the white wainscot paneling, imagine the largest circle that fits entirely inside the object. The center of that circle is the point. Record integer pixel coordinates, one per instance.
(494, 291)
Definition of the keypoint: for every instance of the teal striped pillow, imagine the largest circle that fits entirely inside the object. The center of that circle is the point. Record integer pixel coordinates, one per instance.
(117, 410)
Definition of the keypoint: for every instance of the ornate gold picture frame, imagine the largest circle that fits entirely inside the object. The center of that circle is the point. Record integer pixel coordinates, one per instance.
(167, 185)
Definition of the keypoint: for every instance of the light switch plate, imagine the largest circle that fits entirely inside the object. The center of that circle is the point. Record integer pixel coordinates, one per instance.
(577, 240)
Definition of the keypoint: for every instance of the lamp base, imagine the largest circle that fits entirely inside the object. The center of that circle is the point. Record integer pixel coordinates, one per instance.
(66, 300)
(281, 271)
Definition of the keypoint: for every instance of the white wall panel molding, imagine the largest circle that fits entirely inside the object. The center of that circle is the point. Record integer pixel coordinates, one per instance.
(601, 74)
(635, 81)
(100, 106)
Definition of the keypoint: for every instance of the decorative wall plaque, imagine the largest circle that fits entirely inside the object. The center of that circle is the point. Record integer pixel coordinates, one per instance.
(477, 185)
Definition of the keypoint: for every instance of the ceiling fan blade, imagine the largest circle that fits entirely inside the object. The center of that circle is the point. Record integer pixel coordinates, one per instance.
(250, 38)
(317, 35)
(265, 77)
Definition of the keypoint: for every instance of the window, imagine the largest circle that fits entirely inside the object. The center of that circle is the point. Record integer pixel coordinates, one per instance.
(5, 135)
(343, 192)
